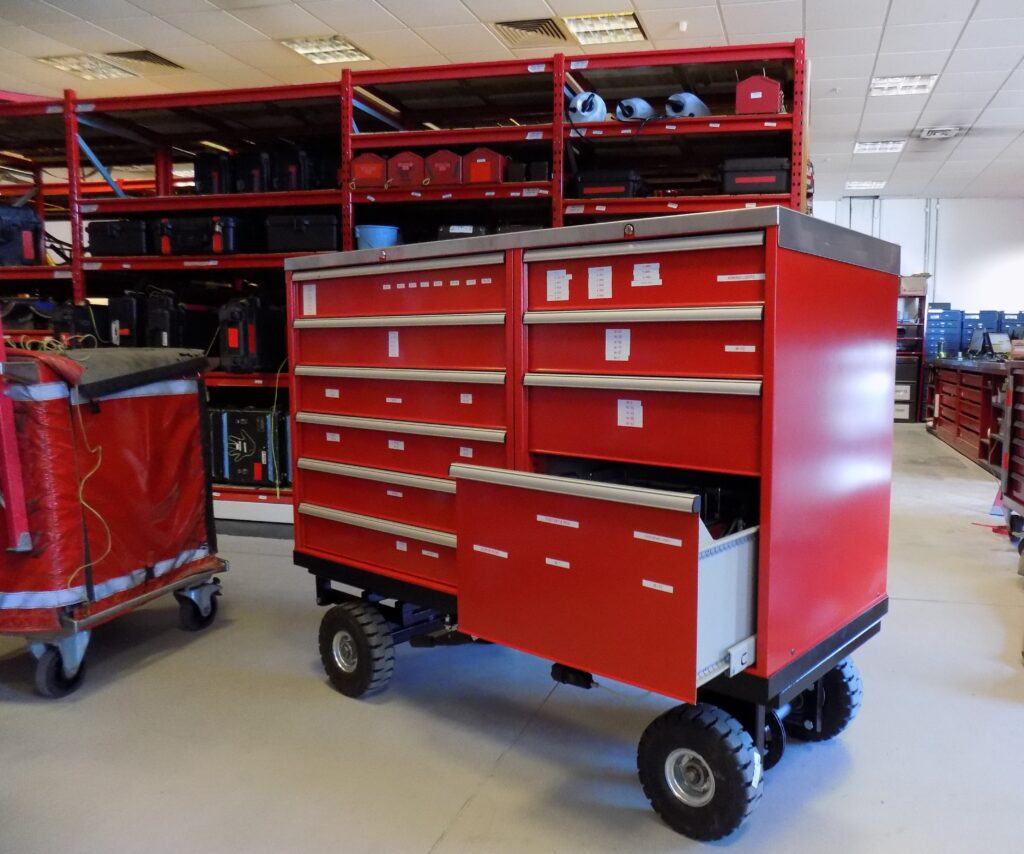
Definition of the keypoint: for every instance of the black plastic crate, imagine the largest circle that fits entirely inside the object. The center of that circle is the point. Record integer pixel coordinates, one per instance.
(214, 173)
(127, 314)
(252, 171)
(251, 336)
(120, 237)
(21, 237)
(755, 175)
(200, 235)
(609, 184)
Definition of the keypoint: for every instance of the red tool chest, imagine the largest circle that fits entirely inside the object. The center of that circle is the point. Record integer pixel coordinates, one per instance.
(661, 429)
(444, 167)
(483, 166)
(368, 171)
(406, 169)
(759, 94)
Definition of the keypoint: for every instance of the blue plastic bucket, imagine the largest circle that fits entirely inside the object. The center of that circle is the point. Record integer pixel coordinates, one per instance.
(377, 236)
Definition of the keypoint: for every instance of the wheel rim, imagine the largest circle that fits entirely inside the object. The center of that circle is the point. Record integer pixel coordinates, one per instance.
(689, 777)
(346, 656)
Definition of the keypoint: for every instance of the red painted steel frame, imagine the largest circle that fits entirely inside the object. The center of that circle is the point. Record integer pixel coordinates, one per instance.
(15, 509)
(74, 206)
(345, 173)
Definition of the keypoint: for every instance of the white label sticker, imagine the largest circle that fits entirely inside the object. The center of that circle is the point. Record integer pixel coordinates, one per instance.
(657, 585)
(574, 209)
(333, 437)
(396, 444)
(670, 127)
(400, 286)
(658, 538)
(392, 343)
(616, 345)
(438, 283)
(332, 392)
(630, 413)
(771, 124)
(309, 298)
(714, 124)
(755, 95)
(412, 284)
(646, 275)
(465, 398)
(555, 520)
(429, 553)
(598, 132)
(740, 348)
(466, 452)
(600, 207)
(395, 493)
(558, 285)
(385, 287)
(453, 283)
(672, 205)
(599, 282)
(535, 67)
(486, 280)
(392, 400)
(554, 561)
(755, 779)
(460, 229)
(487, 550)
(401, 545)
(741, 277)
(578, 64)
(470, 282)
(534, 134)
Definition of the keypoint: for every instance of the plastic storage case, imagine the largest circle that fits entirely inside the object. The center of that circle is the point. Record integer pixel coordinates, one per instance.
(252, 171)
(120, 237)
(214, 173)
(302, 232)
(755, 175)
(609, 184)
(198, 235)
(21, 236)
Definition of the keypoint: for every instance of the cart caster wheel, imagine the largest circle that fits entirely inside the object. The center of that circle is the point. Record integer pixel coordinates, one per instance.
(700, 770)
(50, 679)
(356, 649)
(842, 697)
(190, 616)
(774, 739)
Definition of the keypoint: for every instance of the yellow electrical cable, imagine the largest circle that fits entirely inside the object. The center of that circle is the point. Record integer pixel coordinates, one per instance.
(98, 451)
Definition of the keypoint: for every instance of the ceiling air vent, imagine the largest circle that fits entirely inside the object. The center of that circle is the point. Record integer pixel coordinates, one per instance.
(143, 57)
(535, 32)
(939, 132)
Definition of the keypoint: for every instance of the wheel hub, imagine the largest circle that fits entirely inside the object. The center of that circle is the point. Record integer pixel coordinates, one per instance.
(689, 777)
(346, 656)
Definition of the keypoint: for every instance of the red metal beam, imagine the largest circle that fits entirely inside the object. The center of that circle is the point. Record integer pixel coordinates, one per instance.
(74, 206)
(501, 68)
(769, 122)
(456, 192)
(683, 56)
(228, 201)
(668, 204)
(171, 100)
(454, 136)
(261, 261)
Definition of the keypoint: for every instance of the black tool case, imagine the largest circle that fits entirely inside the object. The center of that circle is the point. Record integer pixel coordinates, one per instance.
(120, 237)
(251, 336)
(252, 171)
(21, 237)
(302, 232)
(609, 184)
(82, 325)
(214, 173)
(128, 319)
(248, 447)
(755, 175)
(200, 235)
(170, 323)
(291, 169)
(453, 232)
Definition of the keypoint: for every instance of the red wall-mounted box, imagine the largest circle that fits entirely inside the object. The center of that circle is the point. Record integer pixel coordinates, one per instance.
(759, 94)
(368, 170)
(483, 166)
(405, 169)
(444, 167)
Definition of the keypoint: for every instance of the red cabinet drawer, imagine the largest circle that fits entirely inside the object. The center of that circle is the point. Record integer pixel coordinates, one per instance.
(949, 389)
(412, 499)
(971, 394)
(682, 271)
(414, 287)
(949, 376)
(971, 410)
(970, 379)
(467, 398)
(388, 547)
(468, 342)
(683, 423)
(543, 561)
(405, 446)
(720, 341)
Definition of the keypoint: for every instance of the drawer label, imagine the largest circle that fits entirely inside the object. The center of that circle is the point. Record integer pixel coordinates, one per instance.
(630, 413)
(616, 345)
(392, 343)
(309, 298)
(486, 280)
(465, 398)
(599, 282)
(396, 444)
(574, 209)
(554, 561)
(554, 520)
(394, 493)
(333, 437)
(392, 400)
(401, 545)
(646, 275)
(332, 392)
(741, 277)
(438, 283)
(429, 553)
(466, 452)
(385, 287)
(658, 538)
(453, 283)
(657, 585)
(558, 285)
(740, 348)
(400, 286)
(487, 550)
(470, 282)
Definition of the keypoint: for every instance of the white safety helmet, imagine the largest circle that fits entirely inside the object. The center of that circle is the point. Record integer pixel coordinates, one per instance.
(588, 107)
(634, 110)
(685, 105)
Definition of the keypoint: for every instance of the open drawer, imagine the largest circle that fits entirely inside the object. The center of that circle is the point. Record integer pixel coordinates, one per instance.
(616, 580)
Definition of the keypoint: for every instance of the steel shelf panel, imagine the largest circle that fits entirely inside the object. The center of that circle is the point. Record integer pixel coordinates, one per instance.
(667, 204)
(231, 492)
(451, 136)
(260, 261)
(499, 68)
(173, 100)
(223, 379)
(226, 201)
(40, 273)
(457, 192)
(682, 56)
(768, 122)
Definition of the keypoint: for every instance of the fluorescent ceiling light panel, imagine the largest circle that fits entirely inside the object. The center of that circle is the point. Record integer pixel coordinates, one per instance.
(325, 49)
(605, 29)
(914, 84)
(88, 67)
(882, 146)
(865, 185)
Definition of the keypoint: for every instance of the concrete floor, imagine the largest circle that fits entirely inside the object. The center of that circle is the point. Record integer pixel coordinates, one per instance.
(232, 740)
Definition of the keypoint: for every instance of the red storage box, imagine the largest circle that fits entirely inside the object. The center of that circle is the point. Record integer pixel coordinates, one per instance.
(759, 94)
(444, 167)
(368, 171)
(405, 169)
(483, 166)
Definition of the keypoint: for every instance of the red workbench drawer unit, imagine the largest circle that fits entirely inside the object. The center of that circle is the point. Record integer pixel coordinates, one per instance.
(724, 341)
(405, 446)
(412, 499)
(483, 166)
(713, 425)
(465, 398)
(368, 171)
(406, 169)
(389, 547)
(464, 285)
(683, 271)
(476, 343)
(444, 167)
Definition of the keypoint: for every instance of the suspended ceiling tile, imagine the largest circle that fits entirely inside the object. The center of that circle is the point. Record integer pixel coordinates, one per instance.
(153, 33)
(744, 19)
(984, 82)
(860, 65)
(832, 14)
(459, 37)
(912, 62)
(349, 17)
(86, 37)
(264, 52)
(1000, 32)
(920, 37)
(684, 44)
(32, 12)
(928, 11)
(26, 42)
(996, 9)
(501, 10)
(392, 45)
(432, 13)
(212, 27)
(94, 10)
(159, 7)
(701, 22)
(844, 42)
(985, 59)
(582, 7)
(830, 106)
(284, 22)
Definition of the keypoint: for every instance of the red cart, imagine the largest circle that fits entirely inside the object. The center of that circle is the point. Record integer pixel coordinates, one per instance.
(106, 504)
(654, 451)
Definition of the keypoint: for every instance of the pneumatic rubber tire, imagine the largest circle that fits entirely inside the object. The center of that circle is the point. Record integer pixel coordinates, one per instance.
(356, 649)
(843, 695)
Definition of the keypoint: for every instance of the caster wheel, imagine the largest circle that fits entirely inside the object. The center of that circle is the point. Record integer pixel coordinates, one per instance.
(842, 698)
(191, 619)
(50, 679)
(356, 649)
(774, 739)
(700, 770)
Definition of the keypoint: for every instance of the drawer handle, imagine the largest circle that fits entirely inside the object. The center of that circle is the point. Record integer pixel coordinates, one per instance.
(416, 481)
(371, 523)
(620, 493)
(646, 247)
(411, 374)
(386, 268)
(746, 388)
(386, 425)
(648, 315)
(484, 318)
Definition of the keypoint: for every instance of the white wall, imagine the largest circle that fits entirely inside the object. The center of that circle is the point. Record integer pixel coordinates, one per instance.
(974, 248)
